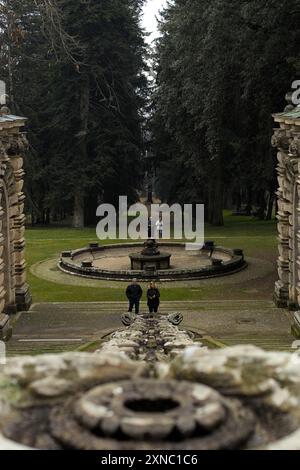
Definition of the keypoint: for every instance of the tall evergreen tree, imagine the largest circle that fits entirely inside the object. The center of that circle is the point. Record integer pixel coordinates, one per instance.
(223, 68)
(84, 63)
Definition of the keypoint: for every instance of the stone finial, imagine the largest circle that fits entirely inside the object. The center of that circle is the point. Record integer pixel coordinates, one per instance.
(175, 318)
(128, 319)
(4, 110)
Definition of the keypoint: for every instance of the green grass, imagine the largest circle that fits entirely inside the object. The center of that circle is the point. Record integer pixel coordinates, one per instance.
(255, 237)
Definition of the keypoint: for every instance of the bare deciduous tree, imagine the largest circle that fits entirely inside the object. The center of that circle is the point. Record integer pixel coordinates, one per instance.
(62, 43)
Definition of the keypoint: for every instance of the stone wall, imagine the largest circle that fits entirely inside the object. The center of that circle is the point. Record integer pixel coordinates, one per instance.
(14, 291)
(286, 139)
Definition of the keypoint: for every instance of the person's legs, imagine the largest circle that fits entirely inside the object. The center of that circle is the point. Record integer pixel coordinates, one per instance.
(137, 306)
(131, 303)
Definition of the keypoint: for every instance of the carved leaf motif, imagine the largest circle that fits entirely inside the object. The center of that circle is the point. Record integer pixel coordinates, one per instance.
(295, 147)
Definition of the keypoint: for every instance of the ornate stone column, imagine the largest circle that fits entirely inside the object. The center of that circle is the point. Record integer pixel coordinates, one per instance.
(14, 291)
(286, 139)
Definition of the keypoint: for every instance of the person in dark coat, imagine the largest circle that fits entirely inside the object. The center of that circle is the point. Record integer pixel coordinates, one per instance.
(153, 297)
(134, 294)
(150, 227)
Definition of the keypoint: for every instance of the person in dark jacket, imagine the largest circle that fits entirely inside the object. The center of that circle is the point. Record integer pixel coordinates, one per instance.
(134, 294)
(150, 227)
(153, 297)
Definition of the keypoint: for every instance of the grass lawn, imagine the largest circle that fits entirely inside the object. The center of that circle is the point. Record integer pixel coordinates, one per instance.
(257, 238)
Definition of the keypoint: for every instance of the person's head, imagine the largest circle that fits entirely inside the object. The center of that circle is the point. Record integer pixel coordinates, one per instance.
(152, 285)
(134, 281)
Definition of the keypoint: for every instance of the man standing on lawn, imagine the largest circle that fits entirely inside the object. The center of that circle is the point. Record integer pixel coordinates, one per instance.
(134, 294)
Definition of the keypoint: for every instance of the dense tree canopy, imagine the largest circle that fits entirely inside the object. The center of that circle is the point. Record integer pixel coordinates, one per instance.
(223, 68)
(76, 70)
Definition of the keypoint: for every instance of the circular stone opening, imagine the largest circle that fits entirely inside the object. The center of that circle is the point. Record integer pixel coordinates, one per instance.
(152, 406)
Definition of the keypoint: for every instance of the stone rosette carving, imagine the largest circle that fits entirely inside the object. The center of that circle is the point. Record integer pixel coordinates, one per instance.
(235, 398)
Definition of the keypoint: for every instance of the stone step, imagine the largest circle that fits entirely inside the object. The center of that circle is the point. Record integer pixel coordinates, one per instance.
(164, 305)
(229, 322)
(265, 344)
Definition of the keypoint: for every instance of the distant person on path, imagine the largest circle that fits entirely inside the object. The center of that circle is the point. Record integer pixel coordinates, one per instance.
(134, 294)
(153, 297)
(159, 227)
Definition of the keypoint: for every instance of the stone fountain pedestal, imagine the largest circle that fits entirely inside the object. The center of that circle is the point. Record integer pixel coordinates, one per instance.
(150, 258)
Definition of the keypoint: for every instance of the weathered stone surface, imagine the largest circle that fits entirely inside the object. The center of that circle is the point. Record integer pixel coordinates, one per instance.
(14, 292)
(128, 319)
(296, 325)
(239, 397)
(175, 318)
(286, 139)
(4, 319)
(150, 338)
(5, 327)
(50, 376)
(244, 371)
(51, 387)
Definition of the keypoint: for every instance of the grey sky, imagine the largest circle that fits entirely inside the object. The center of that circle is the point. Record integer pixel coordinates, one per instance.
(151, 10)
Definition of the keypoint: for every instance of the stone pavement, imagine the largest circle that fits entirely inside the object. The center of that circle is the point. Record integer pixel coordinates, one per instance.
(57, 327)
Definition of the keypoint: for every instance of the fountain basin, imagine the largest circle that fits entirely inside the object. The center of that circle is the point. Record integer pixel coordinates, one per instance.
(112, 262)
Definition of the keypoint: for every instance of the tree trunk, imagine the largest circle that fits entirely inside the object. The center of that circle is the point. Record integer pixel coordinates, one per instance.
(270, 205)
(238, 201)
(78, 221)
(216, 217)
(262, 205)
(217, 196)
(78, 217)
(249, 202)
(10, 72)
(276, 204)
(47, 216)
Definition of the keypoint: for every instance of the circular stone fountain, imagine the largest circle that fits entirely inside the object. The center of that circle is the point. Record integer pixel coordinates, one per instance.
(166, 261)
